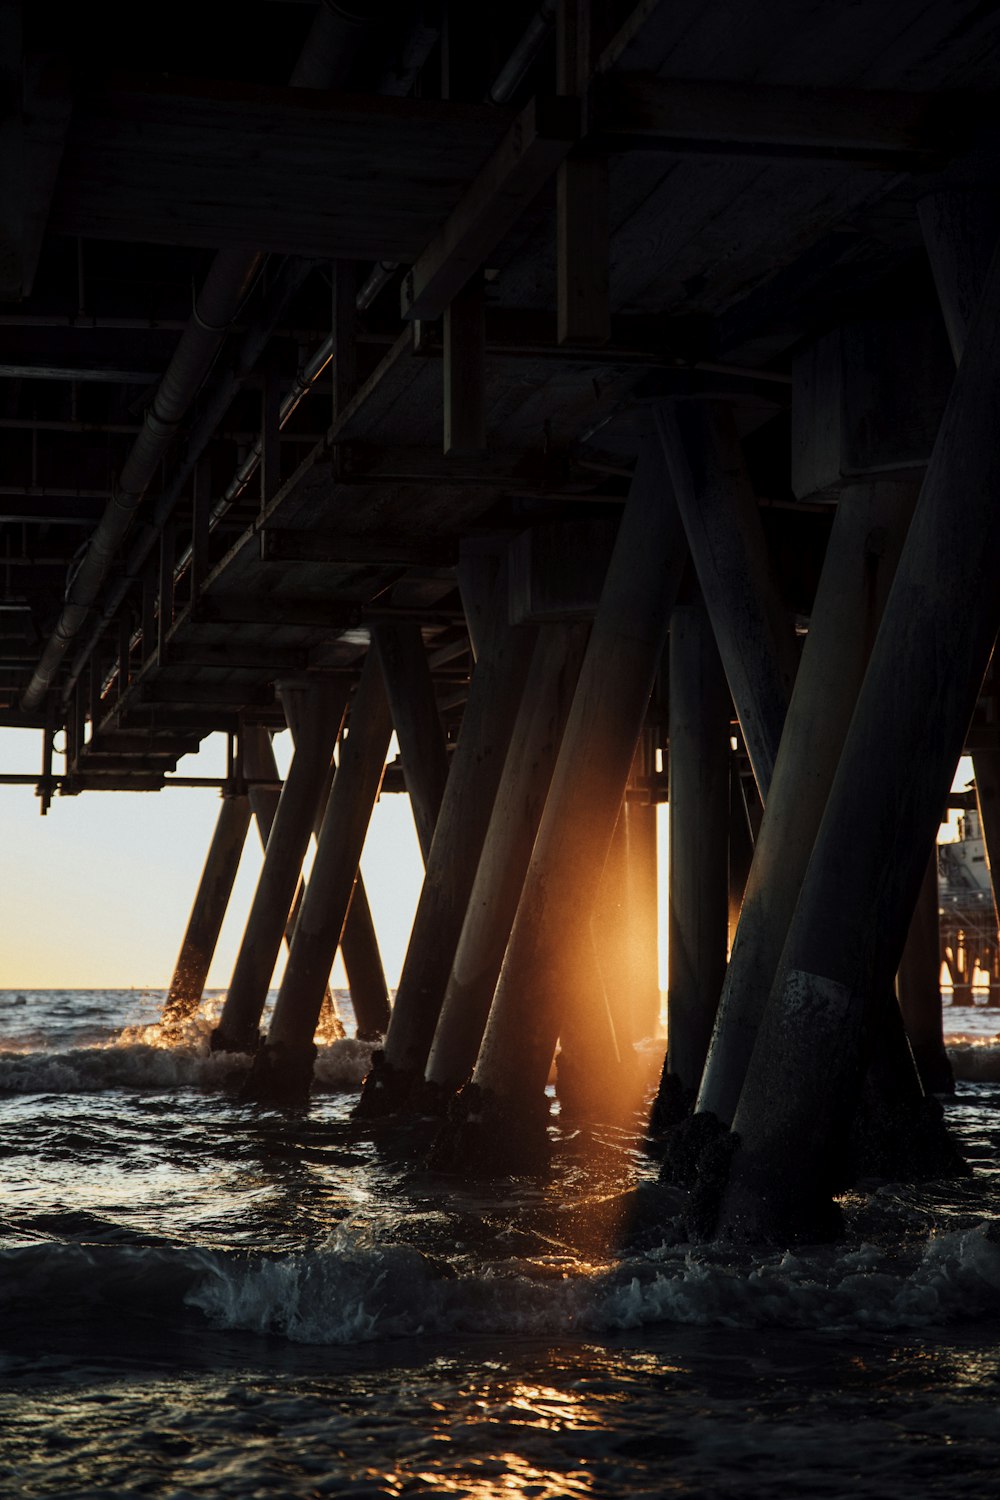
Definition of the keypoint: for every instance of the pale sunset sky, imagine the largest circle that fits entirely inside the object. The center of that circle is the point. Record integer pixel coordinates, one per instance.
(97, 894)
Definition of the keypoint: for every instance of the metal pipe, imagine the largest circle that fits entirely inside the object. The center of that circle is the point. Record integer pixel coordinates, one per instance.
(535, 36)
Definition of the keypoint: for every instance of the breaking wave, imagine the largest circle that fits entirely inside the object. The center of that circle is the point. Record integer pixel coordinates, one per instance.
(352, 1290)
(132, 1062)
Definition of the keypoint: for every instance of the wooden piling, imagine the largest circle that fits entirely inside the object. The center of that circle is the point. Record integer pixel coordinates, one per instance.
(905, 737)
(259, 764)
(208, 911)
(477, 764)
(868, 533)
(416, 720)
(723, 529)
(699, 842)
(918, 988)
(549, 953)
(283, 1068)
(322, 712)
(510, 837)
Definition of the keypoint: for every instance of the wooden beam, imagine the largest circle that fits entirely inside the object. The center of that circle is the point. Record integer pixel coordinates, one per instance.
(344, 322)
(62, 511)
(282, 545)
(465, 372)
(875, 128)
(192, 161)
(210, 694)
(540, 138)
(233, 609)
(165, 590)
(583, 251)
(281, 659)
(200, 523)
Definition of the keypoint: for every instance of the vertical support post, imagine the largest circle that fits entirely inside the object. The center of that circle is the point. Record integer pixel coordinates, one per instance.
(323, 712)
(260, 764)
(582, 208)
(741, 841)
(208, 912)
(201, 507)
(986, 767)
(283, 1067)
(165, 589)
(465, 371)
(270, 436)
(479, 563)
(960, 231)
(74, 728)
(363, 962)
(918, 988)
(699, 846)
(549, 953)
(149, 632)
(417, 723)
(95, 673)
(868, 533)
(722, 525)
(469, 795)
(849, 928)
(344, 326)
(358, 943)
(496, 889)
(124, 651)
(643, 912)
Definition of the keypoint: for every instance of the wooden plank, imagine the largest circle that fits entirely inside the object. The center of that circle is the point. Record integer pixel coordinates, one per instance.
(200, 524)
(198, 162)
(242, 610)
(878, 128)
(539, 139)
(209, 694)
(582, 259)
(165, 590)
(61, 511)
(48, 107)
(344, 322)
(237, 654)
(283, 545)
(465, 372)
(11, 152)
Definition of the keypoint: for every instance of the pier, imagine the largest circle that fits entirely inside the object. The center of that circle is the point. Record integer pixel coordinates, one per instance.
(601, 397)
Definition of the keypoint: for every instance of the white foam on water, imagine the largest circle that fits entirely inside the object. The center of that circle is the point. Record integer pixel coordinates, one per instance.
(141, 1058)
(350, 1291)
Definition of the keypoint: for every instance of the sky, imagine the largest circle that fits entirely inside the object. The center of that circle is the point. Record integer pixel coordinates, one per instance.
(96, 895)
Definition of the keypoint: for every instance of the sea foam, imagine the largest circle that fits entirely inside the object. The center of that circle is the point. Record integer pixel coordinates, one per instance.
(131, 1063)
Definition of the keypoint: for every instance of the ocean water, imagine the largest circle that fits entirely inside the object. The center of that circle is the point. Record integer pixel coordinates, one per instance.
(203, 1298)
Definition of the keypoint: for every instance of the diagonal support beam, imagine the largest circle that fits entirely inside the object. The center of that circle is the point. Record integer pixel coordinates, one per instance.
(542, 136)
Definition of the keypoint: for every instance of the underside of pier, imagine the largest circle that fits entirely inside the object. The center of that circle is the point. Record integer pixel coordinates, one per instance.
(604, 398)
